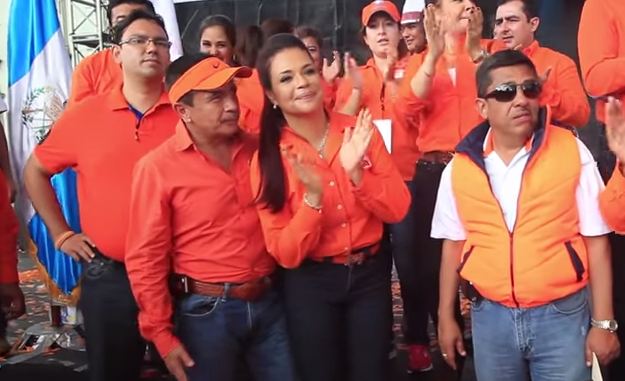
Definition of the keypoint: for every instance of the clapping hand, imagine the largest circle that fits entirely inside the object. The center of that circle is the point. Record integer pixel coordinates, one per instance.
(355, 144)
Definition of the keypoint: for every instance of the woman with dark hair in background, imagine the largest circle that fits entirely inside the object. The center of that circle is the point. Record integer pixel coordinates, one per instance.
(329, 71)
(325, 190)
(271, 27)
(218, 38)
(249, 42)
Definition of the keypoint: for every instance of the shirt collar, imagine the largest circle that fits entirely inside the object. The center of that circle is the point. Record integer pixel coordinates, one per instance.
(531, 49)
(183, 140)
(489, 144)
(117, 101)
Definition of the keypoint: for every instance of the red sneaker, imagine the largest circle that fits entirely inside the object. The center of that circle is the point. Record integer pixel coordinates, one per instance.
(419, 359)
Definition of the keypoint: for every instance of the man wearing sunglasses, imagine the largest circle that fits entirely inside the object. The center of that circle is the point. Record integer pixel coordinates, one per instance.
(518, 210)
(102, 138)
(516, 22)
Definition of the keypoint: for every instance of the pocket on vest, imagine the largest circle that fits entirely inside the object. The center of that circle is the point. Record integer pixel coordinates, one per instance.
(576, 261)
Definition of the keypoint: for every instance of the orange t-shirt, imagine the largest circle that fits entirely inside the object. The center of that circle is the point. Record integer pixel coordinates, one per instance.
(378, 98)
(601, 45)
(96, 74)
(351, 217)
(8, 235)
(221, 241)
(251, 98)
(448, 113)
(612, 201)
(103, 156)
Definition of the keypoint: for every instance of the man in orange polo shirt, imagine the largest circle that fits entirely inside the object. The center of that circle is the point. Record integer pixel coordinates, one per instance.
(100, 73)
(518, 209)
(612, 200)
(516, 22)
(215, 256)
(124, 125)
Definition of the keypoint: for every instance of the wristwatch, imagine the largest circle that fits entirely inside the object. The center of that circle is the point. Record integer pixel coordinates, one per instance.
(608, 325)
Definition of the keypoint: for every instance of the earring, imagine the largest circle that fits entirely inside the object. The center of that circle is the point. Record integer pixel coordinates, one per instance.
(275, 106)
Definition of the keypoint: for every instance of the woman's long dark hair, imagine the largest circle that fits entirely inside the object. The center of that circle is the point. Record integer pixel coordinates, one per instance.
(272, 191)
(224, 23)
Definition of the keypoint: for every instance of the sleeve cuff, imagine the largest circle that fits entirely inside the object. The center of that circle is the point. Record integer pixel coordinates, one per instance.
(166, 342)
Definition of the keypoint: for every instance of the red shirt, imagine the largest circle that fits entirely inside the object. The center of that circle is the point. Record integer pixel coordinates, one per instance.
(351, 217)
(200, 222)
(94, 75)
(8, 236)
(102, 139)
(378, 98)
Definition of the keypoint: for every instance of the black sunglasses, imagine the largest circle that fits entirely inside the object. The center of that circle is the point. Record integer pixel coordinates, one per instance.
(506, 92)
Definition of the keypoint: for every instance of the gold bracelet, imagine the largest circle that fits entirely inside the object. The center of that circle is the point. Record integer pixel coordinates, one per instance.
(309, 204)
(60, 240)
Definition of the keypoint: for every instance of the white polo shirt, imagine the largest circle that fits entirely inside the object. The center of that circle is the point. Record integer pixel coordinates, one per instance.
(505, 181)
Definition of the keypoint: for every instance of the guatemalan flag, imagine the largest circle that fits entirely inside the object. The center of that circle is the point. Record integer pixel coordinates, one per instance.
(39, 79)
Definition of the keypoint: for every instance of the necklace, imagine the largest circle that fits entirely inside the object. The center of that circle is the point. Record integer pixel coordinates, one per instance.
(322, 144)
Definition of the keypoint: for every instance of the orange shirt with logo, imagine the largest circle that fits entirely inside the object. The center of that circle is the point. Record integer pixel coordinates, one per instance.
(379, 99)
(200, 222)
(601, 45)
(351, 217)
(101, 138)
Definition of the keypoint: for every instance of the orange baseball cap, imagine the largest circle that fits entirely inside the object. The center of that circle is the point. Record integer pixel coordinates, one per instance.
(209, 74)
(380, 6)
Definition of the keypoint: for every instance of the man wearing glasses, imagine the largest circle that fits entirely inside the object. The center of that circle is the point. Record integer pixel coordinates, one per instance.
(518, 210)
(100, 73)
(102, 138)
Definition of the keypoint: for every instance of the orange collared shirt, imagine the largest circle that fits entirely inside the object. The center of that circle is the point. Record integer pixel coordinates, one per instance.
(351, 216)
(8, 236)
(612, 201)
(200, 221)
(378, 98)
(448, 113)
(601, 45)
(102, 139)
(563, 92)
(94, 75)
(251, 98)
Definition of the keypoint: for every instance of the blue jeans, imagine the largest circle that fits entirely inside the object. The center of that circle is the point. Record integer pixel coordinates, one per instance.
(546, 342)
(218, 332)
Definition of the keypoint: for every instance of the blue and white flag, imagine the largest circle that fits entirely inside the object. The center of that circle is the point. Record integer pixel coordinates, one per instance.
(39, 83)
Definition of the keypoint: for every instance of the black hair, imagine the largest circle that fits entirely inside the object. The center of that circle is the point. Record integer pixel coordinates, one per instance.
(221, 21)
(503, 58)
(272, 191)
(119, 29)
(304, 31)
(249, 42)
(114, 3)
(180, 66)
(435, 2)
(530, 7)
(271, 27)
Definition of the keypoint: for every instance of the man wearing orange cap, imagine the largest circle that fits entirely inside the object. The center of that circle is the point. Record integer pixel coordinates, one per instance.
(412, 29)
(516, 22)
(100, 73)
(123, 125)
(214, 257)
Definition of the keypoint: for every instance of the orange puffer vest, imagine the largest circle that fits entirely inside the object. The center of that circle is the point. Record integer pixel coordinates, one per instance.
(544, 258)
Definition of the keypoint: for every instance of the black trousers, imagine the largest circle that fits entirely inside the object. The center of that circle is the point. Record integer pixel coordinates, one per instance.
(3, 325)
(114, 346)
(339, 319)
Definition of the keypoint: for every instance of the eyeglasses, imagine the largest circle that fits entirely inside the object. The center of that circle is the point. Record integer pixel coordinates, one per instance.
(506, 92)
(142, 41)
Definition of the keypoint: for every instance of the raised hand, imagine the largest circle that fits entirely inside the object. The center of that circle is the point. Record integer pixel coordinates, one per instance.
(355, 144)
(305, 171)
(474, 32)
(352, 71)
(388, 73)
(434, 33)
(331, 70)
(615, 128)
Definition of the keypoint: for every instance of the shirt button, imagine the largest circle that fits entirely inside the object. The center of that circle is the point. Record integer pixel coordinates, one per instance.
(346, 248)
(332, 183)
(343, 225)
(339, 206)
